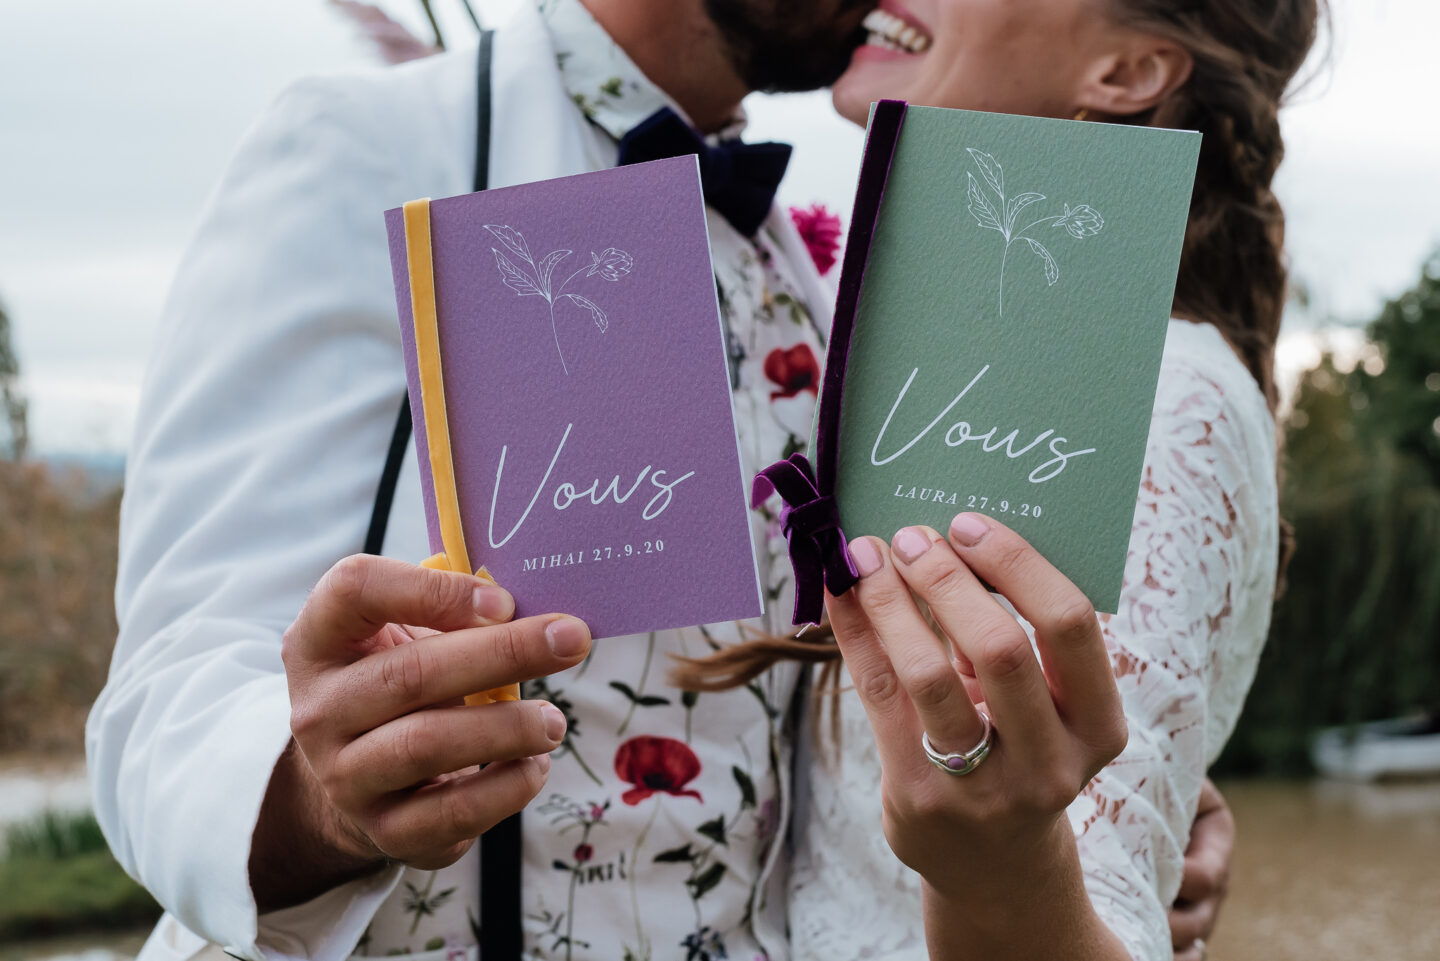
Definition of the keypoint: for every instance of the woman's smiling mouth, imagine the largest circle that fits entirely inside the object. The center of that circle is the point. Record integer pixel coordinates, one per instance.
(893, 28)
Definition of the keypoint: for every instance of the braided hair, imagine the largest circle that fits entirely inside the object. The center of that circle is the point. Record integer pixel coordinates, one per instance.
(1233, 269)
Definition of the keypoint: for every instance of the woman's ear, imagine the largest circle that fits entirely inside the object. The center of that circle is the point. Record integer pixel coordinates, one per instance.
(1136, 77)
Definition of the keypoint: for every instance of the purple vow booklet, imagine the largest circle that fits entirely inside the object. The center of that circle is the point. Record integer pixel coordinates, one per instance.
(588, 398)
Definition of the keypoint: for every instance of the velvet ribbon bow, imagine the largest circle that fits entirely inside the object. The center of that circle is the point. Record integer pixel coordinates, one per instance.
(738, 179)
(811, 522)
(811, 518)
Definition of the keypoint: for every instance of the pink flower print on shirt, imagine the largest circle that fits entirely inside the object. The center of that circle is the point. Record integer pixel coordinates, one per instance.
(820, 229)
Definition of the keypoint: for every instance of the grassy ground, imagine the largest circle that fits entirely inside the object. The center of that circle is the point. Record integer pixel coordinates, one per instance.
(57, 877)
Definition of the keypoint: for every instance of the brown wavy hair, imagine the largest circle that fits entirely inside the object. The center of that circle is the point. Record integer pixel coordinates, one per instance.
(1233, 269)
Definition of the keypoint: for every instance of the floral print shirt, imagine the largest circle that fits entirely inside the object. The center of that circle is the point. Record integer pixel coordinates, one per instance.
(660, 833)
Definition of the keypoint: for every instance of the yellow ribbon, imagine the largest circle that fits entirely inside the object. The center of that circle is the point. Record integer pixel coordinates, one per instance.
(421, 267)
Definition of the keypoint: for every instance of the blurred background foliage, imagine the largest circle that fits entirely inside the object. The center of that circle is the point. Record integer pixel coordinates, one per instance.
(58, 542)
(1356, 636)
(16, 437)
(58, 539)
(59, 531)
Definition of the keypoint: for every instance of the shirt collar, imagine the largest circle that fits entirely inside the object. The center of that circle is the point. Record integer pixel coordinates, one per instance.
(601, 78)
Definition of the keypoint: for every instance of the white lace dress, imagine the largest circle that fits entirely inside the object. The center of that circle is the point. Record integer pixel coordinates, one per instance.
(1184, 646)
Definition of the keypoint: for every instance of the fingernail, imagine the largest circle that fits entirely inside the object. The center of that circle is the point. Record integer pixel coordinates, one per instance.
(554, 722)
(911, 544)
(544, 761)
(567, 636)
(866, 557)
(493, 603)
(968, 529)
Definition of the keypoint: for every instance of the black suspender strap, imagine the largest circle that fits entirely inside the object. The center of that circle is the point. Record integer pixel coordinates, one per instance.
(502, 935)
(482, 115)
(501, 932)
(385, 495)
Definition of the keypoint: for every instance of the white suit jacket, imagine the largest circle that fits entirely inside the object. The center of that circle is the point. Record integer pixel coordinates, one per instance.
(268, 407)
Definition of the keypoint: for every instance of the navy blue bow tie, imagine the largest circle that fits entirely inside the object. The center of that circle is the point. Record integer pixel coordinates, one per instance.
(739, 179)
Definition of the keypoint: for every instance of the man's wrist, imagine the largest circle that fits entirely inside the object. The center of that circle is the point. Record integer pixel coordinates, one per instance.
(303, 845)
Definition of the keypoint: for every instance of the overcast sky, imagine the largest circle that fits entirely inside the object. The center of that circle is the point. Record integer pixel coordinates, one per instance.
(117, 118)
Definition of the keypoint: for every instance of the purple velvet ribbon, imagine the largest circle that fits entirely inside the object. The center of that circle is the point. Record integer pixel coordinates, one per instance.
(810, 518)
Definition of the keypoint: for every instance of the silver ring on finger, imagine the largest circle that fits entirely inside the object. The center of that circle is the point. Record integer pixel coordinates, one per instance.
(961, 763)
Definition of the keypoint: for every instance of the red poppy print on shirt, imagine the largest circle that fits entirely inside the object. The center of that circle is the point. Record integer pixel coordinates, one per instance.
(793, 371)
(656, 765)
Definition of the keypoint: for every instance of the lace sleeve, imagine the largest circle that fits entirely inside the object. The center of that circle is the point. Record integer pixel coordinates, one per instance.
(1191, 622)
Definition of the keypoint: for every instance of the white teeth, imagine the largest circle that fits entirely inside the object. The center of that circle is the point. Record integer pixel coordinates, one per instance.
(877, 20)
(892, 33)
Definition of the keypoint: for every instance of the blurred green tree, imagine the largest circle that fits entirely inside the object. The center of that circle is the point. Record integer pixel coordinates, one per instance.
(1356, 637)
(1402, 397)
(17, 437)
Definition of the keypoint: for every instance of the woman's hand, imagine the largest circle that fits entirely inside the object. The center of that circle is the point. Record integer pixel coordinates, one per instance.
(1001, 830)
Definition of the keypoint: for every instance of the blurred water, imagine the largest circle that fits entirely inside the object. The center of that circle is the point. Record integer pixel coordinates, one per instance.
(1326, 871)
(93, 947)
(88, 954)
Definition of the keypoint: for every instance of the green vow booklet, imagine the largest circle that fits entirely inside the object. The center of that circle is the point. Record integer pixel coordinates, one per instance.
(1010, 328)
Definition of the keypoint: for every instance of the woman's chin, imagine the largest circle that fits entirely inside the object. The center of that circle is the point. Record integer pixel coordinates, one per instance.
(850, 105)
(873, 74)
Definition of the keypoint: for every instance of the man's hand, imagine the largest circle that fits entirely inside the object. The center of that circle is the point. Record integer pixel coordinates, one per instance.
(1207, 875)
(389, 760)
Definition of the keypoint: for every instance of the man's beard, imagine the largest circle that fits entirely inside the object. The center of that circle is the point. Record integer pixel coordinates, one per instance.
(789, 45)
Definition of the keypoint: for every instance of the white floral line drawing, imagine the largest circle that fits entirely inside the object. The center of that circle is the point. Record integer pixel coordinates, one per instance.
(1079, 222)
(610, 265)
